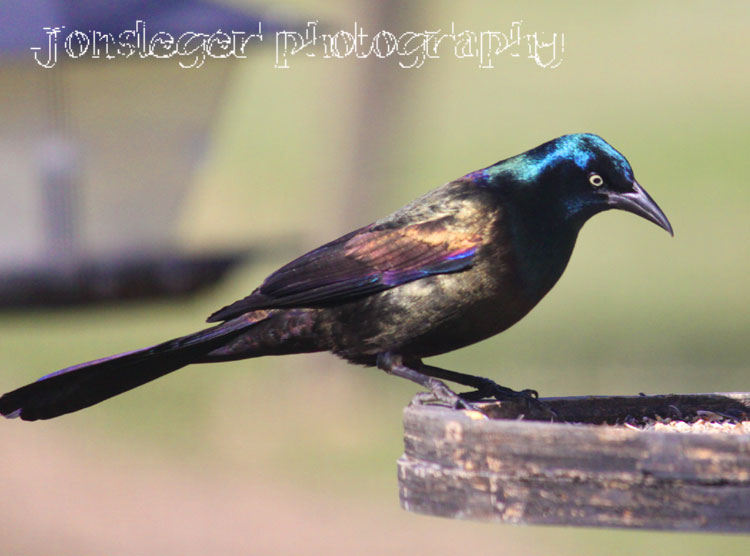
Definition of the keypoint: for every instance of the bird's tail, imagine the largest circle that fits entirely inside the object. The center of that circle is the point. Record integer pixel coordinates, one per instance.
(83, 385)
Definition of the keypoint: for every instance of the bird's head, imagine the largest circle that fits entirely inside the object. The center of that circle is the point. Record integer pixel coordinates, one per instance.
(577, 176)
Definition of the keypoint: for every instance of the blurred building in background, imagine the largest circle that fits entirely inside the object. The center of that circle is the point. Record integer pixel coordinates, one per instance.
(99, 152)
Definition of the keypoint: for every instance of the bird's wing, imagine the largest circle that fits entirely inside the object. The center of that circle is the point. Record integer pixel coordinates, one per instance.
(366, 261)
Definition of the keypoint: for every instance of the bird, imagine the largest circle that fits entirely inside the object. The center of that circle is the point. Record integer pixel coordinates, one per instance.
(457, 265)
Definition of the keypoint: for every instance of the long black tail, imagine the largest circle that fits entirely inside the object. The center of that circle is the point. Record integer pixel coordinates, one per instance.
(83, 385)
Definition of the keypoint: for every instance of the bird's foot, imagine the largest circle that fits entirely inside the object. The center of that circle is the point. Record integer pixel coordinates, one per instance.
(527, 398)
(440, 394)
(492, 390)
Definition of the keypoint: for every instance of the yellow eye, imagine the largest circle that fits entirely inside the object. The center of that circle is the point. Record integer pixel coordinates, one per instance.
(596, 180)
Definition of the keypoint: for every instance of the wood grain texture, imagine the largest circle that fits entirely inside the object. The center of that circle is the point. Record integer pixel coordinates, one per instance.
(459, 464)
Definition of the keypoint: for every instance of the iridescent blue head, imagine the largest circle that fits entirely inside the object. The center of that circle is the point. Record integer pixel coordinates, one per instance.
(573, 177)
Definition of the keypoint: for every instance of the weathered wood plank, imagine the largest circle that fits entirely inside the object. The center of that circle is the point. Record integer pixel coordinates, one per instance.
(459, 464)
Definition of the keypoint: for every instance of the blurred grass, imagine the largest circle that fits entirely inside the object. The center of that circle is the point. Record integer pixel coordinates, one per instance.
(636, 311)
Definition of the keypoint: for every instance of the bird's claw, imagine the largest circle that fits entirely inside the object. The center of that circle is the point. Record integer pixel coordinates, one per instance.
(529, 398)
(492, 390)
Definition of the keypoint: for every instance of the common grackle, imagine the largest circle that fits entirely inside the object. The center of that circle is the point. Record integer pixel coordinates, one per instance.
(457, 265)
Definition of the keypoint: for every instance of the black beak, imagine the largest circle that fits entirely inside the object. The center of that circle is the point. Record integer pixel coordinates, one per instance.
(639, 202)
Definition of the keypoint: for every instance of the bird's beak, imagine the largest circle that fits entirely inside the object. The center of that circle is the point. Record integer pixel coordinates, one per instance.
(639, 202)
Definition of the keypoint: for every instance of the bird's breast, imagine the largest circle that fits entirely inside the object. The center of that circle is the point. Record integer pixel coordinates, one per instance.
(433, 315)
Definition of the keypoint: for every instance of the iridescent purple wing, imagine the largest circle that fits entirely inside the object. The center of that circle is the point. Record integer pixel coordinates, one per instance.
(366, 261)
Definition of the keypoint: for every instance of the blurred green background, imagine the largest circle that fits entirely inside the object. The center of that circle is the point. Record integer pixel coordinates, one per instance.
(296, 455)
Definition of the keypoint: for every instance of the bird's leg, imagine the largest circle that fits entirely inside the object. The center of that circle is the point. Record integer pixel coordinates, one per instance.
(485, 387)
(438, 391)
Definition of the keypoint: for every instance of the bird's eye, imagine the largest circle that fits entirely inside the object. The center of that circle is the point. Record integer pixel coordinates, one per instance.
(596, 180)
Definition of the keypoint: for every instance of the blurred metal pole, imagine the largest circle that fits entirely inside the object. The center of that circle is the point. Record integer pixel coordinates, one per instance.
(59, 200)
(57, 165)
(377, 112)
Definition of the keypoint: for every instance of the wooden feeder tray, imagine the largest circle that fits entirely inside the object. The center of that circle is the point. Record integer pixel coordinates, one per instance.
(676, 462)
